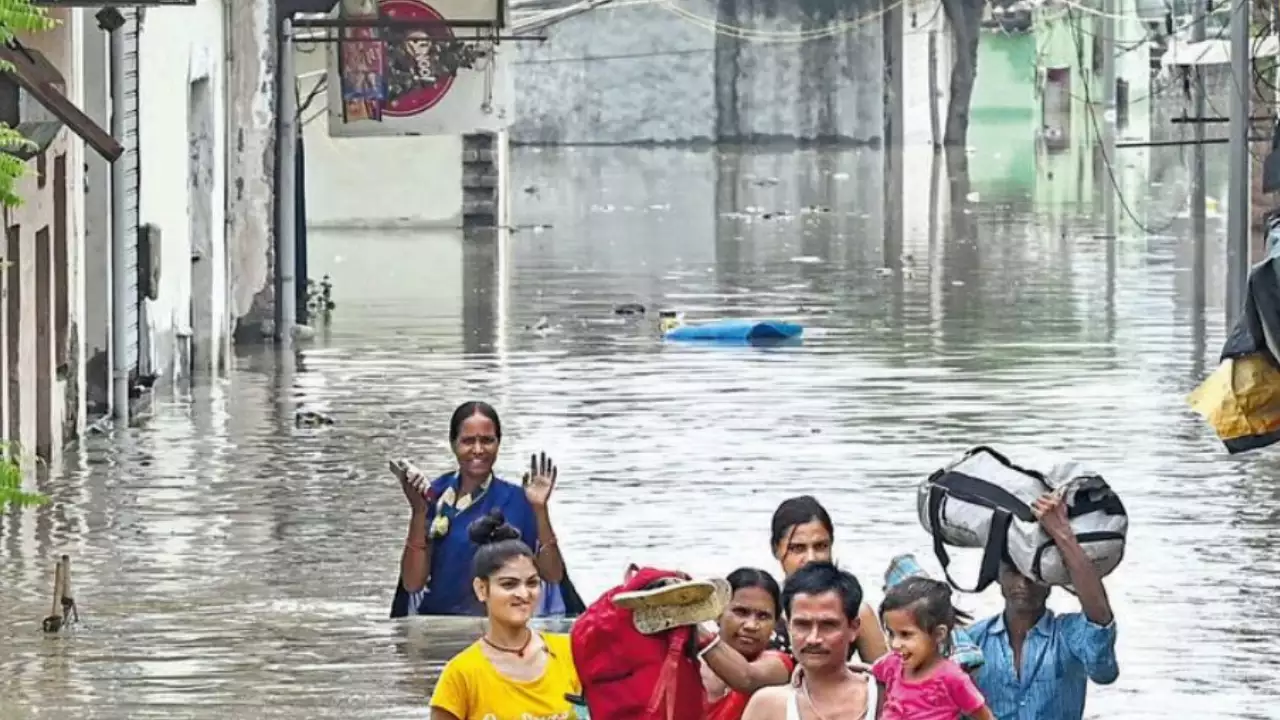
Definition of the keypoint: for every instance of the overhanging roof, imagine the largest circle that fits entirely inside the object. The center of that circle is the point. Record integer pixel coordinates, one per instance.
(35, 74)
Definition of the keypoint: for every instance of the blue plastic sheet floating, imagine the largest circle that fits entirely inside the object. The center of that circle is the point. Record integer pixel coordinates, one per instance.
(754, 332)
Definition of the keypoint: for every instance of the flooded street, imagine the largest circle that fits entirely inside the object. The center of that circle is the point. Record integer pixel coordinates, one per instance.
(230, 564)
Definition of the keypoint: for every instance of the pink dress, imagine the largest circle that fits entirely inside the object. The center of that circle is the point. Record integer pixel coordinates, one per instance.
(946, 694)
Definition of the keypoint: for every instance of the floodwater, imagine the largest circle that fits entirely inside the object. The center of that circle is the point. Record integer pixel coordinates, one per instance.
(229, 564)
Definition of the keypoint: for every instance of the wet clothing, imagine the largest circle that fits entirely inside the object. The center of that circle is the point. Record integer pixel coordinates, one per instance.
(946, 694)
(1061, 654)
(471, 688)
(449, 590)
(734, 703)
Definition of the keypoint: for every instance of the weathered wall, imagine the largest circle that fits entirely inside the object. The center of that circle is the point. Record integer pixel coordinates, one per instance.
(250, 207)
(705, 71)
(63, 46)
(97, 221)
(182, 142)
(426, 192)
(920, 20)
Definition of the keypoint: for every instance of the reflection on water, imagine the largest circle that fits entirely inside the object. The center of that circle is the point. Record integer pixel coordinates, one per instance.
(229, 561)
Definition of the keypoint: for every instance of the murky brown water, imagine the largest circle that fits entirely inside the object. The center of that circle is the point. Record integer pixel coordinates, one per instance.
(233, 565)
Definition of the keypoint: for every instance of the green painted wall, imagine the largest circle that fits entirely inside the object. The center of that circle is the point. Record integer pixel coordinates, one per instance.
(1003, 117)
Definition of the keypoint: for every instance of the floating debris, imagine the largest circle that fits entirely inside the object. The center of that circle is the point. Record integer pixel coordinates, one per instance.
(542, 327)
(311, 418)
(64, 611)
(628, 309)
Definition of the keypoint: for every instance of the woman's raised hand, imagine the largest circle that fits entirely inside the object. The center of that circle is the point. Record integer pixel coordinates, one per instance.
(540, 481)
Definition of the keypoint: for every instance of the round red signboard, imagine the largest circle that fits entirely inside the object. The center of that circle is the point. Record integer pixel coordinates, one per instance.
(424, 98)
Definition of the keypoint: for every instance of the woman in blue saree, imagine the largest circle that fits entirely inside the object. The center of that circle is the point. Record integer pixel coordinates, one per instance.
(435, 567)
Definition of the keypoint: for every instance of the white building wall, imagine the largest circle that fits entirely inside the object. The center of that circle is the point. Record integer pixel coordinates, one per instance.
(95, 71)
(418, 179)
(63, 47)
(921, 18)
(182, 142)
(77, 237)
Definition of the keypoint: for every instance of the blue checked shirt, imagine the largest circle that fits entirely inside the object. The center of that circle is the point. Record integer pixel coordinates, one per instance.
(1061, 654)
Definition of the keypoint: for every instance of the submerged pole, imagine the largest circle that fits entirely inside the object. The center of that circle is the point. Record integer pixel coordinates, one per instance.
(1110, 183)
(1197, 159)
(286, 193)
(1239, 185)
(113, 24)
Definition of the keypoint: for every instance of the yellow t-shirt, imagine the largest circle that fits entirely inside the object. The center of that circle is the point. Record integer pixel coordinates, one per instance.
(472, 689)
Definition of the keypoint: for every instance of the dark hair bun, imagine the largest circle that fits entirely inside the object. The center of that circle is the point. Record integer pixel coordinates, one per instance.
(492, 528)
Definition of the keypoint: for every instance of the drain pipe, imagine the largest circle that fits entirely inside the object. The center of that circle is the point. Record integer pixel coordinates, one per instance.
(287, 190)
(110, 20)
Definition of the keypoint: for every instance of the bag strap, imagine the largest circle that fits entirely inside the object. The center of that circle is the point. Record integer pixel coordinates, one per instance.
(992, 553)
(1000, 457)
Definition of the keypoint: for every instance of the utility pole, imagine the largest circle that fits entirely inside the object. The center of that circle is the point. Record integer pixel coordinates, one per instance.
(113, 22)
(286, 191)
(1238, 175)
(1110, 183)
(1198, 228)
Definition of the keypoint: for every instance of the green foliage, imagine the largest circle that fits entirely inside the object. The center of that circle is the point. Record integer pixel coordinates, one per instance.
(11, 481)
(16, 16)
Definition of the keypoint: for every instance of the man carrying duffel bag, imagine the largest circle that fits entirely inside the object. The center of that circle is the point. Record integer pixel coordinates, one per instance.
(1037, 663)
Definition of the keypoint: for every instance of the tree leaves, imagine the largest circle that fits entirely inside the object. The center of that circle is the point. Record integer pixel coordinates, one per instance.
(16, 16)
(11, 492)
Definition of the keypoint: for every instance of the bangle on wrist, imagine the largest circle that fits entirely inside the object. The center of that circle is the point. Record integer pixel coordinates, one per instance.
(416, 545)
(715, 642)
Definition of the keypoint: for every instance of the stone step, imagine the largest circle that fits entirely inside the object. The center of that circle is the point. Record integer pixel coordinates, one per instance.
(476, 178)
(479, 207)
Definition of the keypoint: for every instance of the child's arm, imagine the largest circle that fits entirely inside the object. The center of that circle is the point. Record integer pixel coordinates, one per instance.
(982, 713)
(966, 695)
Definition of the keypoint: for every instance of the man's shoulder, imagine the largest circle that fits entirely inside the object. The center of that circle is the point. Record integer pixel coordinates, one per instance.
(983, 626)
(774, 696)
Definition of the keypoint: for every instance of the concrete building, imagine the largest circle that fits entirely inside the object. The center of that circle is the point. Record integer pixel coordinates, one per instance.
(174, 198)
(706, 71)
(251, 55)
(44, 253)
(182, 194)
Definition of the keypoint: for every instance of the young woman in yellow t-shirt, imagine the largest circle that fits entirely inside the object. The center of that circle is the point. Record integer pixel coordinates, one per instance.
(512, 672)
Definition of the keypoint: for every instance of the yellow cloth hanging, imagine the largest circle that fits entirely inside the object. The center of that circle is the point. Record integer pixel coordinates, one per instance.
(1241, 400)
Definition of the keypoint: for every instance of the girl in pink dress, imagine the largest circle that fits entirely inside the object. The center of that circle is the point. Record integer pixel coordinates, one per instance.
(917, 680)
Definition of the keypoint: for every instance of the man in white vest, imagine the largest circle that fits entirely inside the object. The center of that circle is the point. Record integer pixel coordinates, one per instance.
(821, 603)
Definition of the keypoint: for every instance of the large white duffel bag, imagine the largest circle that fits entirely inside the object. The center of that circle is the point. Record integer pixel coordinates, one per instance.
(982, 500)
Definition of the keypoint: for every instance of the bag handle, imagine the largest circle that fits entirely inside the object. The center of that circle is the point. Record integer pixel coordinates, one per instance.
(992, 553)
(1000, 457)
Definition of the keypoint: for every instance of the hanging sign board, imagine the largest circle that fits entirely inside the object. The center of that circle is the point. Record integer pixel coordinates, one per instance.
(434, 79)
(112, 3)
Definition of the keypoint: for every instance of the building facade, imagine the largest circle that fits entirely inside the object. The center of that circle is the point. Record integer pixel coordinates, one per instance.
(59, 284)
(182, 190)
(44, 250)
(174, 100)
